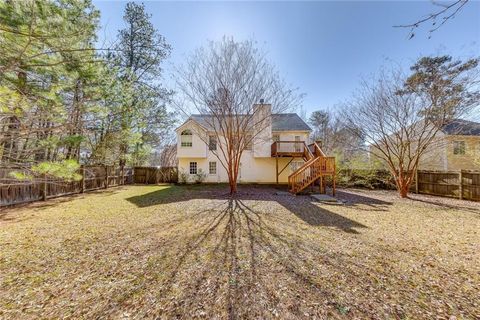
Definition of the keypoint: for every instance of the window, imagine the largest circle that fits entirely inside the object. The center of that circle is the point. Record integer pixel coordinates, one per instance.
(212, 167)
(276, 137)
(212, 143)
(193, 168)
(458, 147)
(186, 138)
(248, 142)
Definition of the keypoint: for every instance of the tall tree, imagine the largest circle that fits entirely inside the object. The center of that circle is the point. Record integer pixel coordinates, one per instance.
(43, 48)
(139, 54)
(401, 116)
(224, 81)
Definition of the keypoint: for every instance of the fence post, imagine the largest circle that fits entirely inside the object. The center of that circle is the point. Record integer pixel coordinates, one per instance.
(460, 185)
(416, 180)
(147, 171)
(44, 189)
(106, 177)
(82, 169)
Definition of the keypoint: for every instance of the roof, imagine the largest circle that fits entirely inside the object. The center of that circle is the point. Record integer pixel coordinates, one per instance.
(280, 121)
(288, 122)
(461, 127)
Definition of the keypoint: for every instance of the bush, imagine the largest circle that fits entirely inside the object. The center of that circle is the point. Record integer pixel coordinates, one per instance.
(200, 176)
(182, 177)
(362, 172)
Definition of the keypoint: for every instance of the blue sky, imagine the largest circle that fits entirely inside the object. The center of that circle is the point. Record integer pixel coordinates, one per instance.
(323, 48)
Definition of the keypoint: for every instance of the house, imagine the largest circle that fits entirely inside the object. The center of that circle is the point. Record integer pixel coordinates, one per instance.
(457, 147)
(281, 151)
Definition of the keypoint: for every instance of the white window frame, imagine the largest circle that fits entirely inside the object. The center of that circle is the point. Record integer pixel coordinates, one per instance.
(248, 142)
(193, 165)
(459, 145)
(214, 167)
(186, 140)
(210, 137)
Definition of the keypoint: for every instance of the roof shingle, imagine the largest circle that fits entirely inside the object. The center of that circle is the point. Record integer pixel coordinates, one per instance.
(462, 127)
(280, 121)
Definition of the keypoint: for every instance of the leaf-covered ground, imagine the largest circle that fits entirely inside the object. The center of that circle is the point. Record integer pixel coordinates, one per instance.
(192, 252)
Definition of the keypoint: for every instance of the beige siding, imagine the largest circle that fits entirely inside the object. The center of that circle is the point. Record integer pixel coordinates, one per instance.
(253, 170)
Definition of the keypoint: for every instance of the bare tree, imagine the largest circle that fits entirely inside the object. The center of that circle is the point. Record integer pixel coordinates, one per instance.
(228, 82)
(400, 116)
(437, 18)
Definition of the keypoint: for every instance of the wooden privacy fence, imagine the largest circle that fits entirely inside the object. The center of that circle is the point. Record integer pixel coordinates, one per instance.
(41, 188)
(154, 175)
(464, 184)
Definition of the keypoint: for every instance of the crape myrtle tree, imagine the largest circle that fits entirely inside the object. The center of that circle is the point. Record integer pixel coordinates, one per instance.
(400, 116)
(228, 81)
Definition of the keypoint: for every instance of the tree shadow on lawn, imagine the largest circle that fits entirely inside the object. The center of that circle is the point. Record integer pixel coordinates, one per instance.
(301, 206)
(244, 263)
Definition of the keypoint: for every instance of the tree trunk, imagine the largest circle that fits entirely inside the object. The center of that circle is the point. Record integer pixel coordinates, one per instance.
(403, 191)
(233, 187)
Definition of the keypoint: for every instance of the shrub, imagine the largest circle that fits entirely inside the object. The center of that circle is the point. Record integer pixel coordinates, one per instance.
(200, 176)
(182, 177)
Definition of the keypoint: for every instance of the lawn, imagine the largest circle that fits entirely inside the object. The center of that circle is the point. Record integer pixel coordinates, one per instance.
(192, 252)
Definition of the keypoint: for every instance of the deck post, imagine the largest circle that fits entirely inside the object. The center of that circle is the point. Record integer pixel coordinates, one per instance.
(321, 185)
(276, 166)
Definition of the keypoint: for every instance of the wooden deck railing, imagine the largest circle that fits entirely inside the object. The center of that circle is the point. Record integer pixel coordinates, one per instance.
(311, 171)
(291, 148)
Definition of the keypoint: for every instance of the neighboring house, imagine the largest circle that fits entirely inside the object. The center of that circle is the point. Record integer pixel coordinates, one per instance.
(258, 162)
(457, 147)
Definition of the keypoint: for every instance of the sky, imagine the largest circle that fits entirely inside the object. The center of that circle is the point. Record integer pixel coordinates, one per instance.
(323, 48)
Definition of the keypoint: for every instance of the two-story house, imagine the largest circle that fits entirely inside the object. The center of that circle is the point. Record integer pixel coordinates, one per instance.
(280, 150)
(457, 147)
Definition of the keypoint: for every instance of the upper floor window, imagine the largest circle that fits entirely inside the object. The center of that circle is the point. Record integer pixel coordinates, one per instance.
(186, 138)
(212, 143)
(276, 137)
(248, 142)
(458, 147)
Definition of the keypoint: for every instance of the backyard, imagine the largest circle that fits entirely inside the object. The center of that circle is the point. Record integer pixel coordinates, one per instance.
(191, 251)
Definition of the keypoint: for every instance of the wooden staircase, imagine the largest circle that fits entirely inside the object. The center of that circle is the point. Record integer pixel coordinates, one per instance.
(316, 167)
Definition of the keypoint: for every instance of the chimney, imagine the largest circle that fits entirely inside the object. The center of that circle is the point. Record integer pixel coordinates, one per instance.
(262, 110)
(262, 117)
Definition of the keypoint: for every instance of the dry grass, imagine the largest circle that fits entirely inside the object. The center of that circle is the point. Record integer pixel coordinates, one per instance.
(160, 251)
